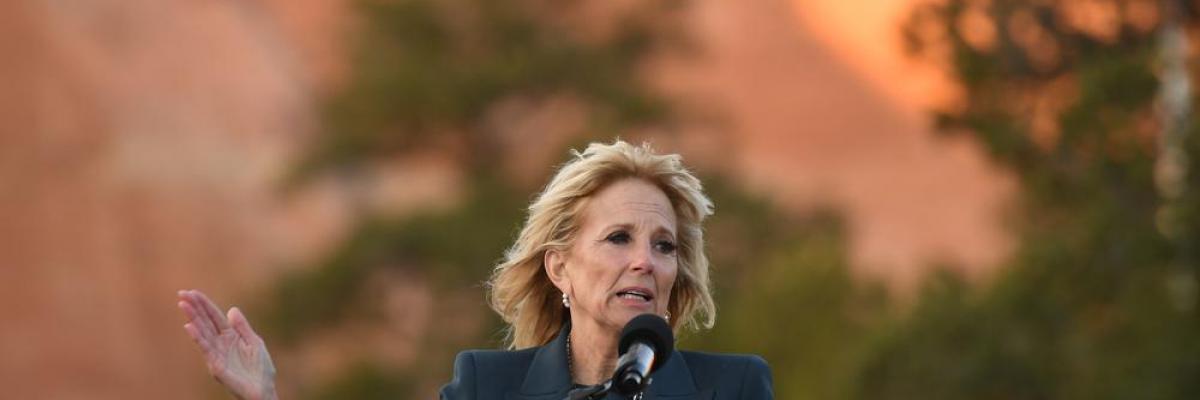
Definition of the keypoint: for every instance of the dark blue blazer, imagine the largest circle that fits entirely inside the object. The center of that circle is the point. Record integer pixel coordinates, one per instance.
(541, 373)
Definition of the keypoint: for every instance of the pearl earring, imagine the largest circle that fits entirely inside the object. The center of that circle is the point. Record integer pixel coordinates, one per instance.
(668, 316)
(566, 301)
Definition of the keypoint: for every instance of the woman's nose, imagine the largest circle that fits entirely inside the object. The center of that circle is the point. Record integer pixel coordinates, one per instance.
(643, 259)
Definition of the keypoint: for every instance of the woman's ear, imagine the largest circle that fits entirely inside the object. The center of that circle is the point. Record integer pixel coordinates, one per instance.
(555, 263)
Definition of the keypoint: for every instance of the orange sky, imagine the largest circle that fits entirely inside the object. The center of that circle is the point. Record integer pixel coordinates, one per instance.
(864, 34)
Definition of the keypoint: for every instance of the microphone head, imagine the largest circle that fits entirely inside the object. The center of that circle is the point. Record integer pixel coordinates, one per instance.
(652, 330)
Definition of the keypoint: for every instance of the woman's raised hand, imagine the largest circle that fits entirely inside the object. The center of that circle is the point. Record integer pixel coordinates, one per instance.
(237, 357)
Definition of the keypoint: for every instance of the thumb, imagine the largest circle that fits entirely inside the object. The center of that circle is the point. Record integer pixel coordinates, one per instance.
(240, 324)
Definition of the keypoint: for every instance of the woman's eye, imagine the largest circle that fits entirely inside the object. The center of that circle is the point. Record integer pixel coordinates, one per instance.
(665, 246)
(618, 238)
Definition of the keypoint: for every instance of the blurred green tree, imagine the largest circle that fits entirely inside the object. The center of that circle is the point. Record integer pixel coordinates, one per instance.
(1097, 301)
(785, 292)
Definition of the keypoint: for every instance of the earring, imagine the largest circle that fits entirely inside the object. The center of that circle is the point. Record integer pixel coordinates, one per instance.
(668, 316)
(566, 301)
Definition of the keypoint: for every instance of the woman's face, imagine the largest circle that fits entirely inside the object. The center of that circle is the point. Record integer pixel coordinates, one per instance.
(623, 260)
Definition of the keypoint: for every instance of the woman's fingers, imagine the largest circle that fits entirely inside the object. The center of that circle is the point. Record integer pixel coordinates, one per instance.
(210, 308)
(198, 318)
(197, 337)
(242, 326)
(205, 321)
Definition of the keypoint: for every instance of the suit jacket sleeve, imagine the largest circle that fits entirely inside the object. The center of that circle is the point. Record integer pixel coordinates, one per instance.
(756, 381)
(462, 387)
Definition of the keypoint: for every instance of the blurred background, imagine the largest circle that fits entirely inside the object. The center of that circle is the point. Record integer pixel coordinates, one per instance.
(938, 199)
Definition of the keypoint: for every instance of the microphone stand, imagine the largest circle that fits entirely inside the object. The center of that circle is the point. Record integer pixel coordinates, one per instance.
(590, 392)
(595, 392)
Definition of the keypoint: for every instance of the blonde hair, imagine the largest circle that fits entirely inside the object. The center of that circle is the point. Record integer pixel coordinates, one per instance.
(521, 292)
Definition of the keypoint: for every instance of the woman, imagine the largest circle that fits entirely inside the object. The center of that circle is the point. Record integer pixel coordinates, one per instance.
(615, 234)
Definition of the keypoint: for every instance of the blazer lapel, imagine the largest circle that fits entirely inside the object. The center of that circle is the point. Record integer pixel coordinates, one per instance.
(548, 377)
(674, 381)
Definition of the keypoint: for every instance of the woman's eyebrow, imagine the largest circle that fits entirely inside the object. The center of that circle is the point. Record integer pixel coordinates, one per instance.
(660, 229)
(620, 225)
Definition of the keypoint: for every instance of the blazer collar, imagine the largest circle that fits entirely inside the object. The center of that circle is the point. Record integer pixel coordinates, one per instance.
(549, 377)
(548, 373)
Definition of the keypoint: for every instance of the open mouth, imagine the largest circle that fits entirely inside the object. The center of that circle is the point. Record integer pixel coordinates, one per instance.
(635, 294)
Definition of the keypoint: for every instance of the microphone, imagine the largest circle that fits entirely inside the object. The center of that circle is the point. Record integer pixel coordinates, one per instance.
(646, 344)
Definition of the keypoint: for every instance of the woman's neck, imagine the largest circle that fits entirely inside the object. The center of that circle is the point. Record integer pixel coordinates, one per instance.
(593, 353)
